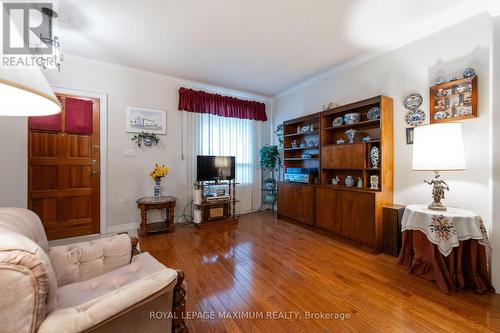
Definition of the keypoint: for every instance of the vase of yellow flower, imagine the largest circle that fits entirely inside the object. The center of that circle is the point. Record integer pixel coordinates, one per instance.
(157, 174)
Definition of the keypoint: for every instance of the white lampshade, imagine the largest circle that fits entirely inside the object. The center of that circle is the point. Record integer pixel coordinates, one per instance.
(438, 147)
(24, 91)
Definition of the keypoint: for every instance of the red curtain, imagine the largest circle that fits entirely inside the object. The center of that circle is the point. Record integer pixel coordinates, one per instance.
(78, 116)
(202, 102)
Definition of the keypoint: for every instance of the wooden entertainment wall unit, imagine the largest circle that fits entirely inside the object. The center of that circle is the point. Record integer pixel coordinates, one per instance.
(349, 212)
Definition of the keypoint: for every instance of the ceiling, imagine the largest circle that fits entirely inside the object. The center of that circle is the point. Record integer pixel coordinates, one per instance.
(258, 46)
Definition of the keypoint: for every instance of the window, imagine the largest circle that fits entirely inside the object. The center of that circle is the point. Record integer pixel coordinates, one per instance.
(214, 135)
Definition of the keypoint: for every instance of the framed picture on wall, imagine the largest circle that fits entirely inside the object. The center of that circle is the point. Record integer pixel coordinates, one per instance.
(146, 120)
(409, 135)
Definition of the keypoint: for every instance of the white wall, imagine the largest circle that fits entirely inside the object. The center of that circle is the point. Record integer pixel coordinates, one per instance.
(128, 177)
(495, 99)
(13, 163)
(414, 67)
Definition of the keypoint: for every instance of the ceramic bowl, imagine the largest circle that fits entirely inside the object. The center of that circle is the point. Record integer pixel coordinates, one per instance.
(351, 118)
(469, 72)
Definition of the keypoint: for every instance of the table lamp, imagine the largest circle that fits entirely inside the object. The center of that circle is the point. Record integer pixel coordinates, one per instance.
(438, 147)
(24, 91)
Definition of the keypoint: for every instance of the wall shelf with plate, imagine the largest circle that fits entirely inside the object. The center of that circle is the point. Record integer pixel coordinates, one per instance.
(454, 100)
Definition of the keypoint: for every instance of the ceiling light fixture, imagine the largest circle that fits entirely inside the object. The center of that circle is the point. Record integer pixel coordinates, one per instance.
(57, 58)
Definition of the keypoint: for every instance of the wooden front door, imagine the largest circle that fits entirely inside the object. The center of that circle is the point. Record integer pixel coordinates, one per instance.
(64, 176)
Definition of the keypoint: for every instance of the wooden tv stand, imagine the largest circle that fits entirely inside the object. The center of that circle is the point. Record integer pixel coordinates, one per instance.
(219, 210)
(350, 213)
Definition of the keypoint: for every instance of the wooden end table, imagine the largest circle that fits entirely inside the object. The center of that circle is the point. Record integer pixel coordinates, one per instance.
(149, 203)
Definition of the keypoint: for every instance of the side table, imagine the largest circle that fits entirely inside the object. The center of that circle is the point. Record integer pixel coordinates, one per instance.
(449, 247)
(149, 203)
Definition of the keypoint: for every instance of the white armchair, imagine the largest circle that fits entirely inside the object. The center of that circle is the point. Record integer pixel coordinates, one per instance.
(96, 286)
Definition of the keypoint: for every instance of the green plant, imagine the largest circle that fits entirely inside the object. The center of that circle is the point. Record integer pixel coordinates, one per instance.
(269, 157)
(147, 138)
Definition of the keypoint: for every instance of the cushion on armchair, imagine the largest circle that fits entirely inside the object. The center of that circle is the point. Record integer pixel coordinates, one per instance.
(142, 266)
(82, 261)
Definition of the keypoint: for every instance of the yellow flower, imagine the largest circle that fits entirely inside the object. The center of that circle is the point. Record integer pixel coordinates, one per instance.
(159, 172)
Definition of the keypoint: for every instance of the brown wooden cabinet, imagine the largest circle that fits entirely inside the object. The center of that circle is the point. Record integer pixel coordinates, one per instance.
(295, 201)
(351, 212)
(328, 209)
(358, 217)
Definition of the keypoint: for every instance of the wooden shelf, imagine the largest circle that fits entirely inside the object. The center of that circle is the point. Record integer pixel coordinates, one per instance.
(300, 148)
(216, 202)
(349, 143)
(454, 95)
(358, 124)
(302, 133)
(300, 159)
(349, 188)
(216, 184)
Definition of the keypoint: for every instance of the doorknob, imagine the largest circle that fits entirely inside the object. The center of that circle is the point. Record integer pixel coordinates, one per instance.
(93, 173)
(93, 162)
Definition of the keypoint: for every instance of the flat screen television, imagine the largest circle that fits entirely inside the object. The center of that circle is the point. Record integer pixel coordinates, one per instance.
(215, 168)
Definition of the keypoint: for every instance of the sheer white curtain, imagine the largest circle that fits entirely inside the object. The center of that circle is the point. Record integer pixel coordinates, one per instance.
(212, 135)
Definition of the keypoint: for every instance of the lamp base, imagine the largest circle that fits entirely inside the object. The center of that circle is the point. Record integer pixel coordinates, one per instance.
(439, 186)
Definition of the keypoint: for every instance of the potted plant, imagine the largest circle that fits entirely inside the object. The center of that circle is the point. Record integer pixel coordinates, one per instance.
(147, 138)
(269, 157)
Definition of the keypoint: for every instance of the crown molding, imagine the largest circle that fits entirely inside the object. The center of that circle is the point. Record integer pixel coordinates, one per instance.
(180, 81)
(452, 17)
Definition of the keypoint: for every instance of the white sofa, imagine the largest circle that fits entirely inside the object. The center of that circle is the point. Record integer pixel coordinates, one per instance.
(96, 286)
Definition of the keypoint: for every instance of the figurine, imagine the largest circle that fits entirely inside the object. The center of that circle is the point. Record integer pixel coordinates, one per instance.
(336, 180)
(349, 181)
(299, 129)
(438, 188)
(360, 183)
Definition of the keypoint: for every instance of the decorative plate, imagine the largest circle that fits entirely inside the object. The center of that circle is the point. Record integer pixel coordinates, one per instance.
(440, 115)
(415, 118)
(413, 101)
(337, 122)
(439, 80)
(469, 72)
(373, 113)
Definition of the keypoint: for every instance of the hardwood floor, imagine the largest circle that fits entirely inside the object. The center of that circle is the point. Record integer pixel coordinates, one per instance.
(263, 265)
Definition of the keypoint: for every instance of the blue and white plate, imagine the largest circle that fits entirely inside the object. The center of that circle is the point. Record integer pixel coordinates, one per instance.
(373, 113)
(338, 122)
(415, 118)
(413, 101)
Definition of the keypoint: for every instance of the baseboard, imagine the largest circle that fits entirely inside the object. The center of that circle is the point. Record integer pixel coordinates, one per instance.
(123, 227)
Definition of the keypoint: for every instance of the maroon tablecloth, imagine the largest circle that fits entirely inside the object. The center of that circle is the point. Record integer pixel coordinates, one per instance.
(465, 267)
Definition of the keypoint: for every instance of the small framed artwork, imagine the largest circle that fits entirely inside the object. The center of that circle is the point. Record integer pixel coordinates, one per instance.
(146, 120)
(409, 135)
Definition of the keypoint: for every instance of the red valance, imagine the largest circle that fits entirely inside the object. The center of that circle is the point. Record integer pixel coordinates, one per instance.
(202, 102)
(78, 118)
